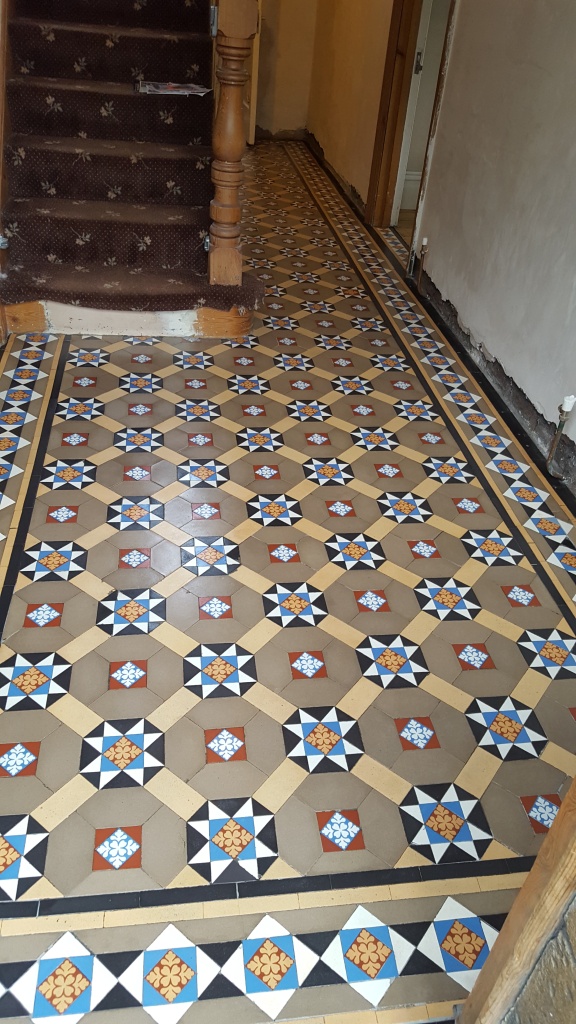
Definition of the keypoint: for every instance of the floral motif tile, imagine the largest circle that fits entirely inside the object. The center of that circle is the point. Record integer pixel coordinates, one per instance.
(340, 831)
(117, 849)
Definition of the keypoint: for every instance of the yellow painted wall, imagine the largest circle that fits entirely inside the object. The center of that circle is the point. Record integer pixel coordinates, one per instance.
(286, 56)
(347, 74)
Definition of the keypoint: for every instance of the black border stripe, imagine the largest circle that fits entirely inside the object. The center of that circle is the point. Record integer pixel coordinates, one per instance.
(216, 892)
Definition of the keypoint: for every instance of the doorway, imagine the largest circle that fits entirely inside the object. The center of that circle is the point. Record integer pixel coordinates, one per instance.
(416, 57)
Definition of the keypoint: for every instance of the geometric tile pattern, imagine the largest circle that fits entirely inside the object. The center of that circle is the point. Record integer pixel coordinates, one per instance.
(228, 640)
(323, 740)
(445, 824)
(23, 845)
(127, 752)
(232, 840)
(506, 728)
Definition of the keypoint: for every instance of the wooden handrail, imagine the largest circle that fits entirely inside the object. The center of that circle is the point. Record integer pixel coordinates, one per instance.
(237, 26)
(534, 918)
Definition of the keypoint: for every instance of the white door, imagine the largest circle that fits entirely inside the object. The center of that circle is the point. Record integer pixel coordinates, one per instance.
(411, 109)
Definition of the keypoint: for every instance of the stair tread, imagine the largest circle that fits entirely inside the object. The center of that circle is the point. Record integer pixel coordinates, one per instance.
(94, 210)
(104, 147)
(92, 85)
(133, 31)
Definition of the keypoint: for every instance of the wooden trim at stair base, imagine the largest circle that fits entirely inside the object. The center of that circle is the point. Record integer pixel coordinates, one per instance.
(204, 322)
(25, 317)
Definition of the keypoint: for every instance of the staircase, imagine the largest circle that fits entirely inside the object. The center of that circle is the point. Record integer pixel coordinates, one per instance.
(109, 189)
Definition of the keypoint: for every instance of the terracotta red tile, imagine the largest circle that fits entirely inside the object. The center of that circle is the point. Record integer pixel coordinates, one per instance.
(194, 442)
(140, 409)
(195, 384)
(431, 437)
(43, 615)
(134, 558)
(337, 834)
(243, 361)
(225, 744)
(84, 382)
(215, 607)
(60, 514)
(296, 385)
(371, 601)
(281, 553)
(246, 410)
(206, 510)
(388, 470)
(115, 845)
(468, 505)
(417, 733)
(422, 549)
(541, 811)
(263, 472)
(314, 439)
(141, 358)
(134, 473)
(473, 656)
(128, 675)
(70, 439)
(521, 596)
(360, 410)
(304, 665)
(340, 508)
(12, 755)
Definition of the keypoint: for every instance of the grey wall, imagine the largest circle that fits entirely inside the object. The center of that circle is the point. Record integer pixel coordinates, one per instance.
(500, 203)
(550, 992)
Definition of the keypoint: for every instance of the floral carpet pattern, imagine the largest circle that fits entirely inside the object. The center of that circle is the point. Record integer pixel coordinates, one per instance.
(288, 656)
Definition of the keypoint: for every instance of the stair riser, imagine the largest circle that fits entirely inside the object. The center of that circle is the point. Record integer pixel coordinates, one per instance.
(115, 57)
(102, 178)
(177, 15)
(170, 246)
(173, 119)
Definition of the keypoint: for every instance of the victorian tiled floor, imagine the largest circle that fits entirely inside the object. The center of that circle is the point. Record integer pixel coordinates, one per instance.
(288, 662)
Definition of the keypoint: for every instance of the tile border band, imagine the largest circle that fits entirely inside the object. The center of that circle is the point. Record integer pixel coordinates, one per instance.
(431, 876)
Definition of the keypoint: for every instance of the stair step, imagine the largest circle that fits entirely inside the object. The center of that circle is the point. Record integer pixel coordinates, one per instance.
(99, 169)
(188, 15)
(100, 52)
(117, 288)
(106, 110)
(50, 232)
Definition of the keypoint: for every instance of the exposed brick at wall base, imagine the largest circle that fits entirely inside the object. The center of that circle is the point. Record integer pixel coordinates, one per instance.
(538, 429)
(550, 992)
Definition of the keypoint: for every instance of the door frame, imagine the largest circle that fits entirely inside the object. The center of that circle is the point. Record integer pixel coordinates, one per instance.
(398, 68)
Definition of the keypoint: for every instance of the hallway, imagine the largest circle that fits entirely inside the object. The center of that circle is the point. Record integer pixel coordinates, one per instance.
(329, 528)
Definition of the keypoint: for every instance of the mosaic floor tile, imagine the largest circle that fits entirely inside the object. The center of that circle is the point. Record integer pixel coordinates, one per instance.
(117, 848)
(294, 604)
(211, 556)
(328, 471)
(404, 507)
(203, 473)
(392, 661)
(32, 681)
(549, 652)
(274, 510)
(447, 599)
(225, 745)
(506, 728)
(52, 562)
(232, 840)
(215, 607)
(23, 845)
(197, 411)
(125, 675)
(69, 473)
(18, 759)
(76, 409)
(307, 665)
(354, 551)
(128, 752)
(445, 824)
(340, 830)
(135, 513)
(130, 612)
(417, 733)
(541, 811)
(219, 670)
(323, 740)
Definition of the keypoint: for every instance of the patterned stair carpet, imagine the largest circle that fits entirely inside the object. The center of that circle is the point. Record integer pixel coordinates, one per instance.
(109, 188)
(288, 660)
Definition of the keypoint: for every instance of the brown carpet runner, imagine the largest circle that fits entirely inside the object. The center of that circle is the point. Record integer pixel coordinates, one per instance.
(110, 188)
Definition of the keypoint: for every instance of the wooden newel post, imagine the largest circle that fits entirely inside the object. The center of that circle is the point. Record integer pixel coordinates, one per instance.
(237, 26)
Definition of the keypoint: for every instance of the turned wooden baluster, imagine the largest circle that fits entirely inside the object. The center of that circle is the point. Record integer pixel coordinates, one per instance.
(237, 25)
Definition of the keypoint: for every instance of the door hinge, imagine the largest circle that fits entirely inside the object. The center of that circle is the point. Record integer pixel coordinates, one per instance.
(419, 65)
(213, 20)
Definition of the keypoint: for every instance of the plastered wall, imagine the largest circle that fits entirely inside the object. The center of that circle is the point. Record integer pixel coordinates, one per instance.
(347, 75)
(500, 203)
(286, 57)
(322, 66)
